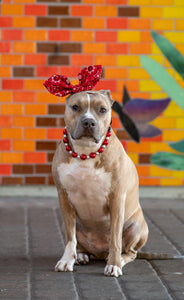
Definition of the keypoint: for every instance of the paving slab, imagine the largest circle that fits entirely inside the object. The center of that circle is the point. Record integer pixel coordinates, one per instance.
(31, 242)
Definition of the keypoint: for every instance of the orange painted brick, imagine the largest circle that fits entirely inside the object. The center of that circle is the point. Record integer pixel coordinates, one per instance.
(11, 157)
(54, 133)
(180, 24)
(106, 11)
(35, 157)
(22, 96)
(116, 123)
(5, 47)
(11, 109)
(59, 35)
(106, 85)
(149, 181)
(5, 22)
(5, 145)
(82, 36)
(138, 148)
(69, 71)
(46, 71)
(139, 23)
(132, 85)
(117, 48)
(35, 35)
(78, 59)
(5, 96)
(5, 72)
(139, 95)
(146, 36)
(22, 121)
(24, 1)
(12, 9)
(93, 1)
(23, 145)
(35, 109)
(11, 133)
(45, 97)
(11, 59)
(5, 169)
(143, 170)
(117, 23)
(23, 22)
(81, 10)
(36, 10)
(12, 35)
(105, 60)
(12, 84)
(97, 48)
(35, 59)
(107, 36)
(162, 24)
(140, 48)
(171, 181)
(24, 47)
(5, 121)
(115, 73)
(34, 84)
(122, 2)
(93, 23)
(34, 133)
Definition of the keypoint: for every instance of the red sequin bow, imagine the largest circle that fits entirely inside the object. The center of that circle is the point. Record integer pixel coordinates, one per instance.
(59, 85)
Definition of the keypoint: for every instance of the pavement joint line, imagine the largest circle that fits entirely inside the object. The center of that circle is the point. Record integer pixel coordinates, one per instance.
(27, 252)
(176, 216)
(165, 236)
(164, 284)
(121, 290)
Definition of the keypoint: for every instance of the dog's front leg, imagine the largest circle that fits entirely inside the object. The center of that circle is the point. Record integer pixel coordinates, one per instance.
(114, 264)
(67, 261)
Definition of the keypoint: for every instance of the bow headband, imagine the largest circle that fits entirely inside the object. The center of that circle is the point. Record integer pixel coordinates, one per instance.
(59, 85)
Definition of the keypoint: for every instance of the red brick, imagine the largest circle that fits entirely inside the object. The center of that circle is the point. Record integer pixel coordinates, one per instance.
(36, 10)
(70, 71)
(12, 35)
(117, 23)
(81, 10)
(5, 145)
(106, 85)
(5, 47)
(5, 169)
(5, 22)
(54, 134)
(5, 121)
(116, 48)
(33, 157)
(46, 71)
(106, 36)
(59, 35)
(78, 59)
(12, 84)
(22, 96)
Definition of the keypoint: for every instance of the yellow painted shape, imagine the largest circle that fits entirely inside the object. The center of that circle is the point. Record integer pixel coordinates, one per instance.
(160, 172)
(180, 24)
(173, 110)
(158, 58)
(178, 174)
(134, 157)
(170, 181)
(158, 95)
(162, 24)
(163, 122)
(180, 123)
(150, 12)
(159, 146)
(173, 12)
(173, 135)
(139, 2)
(128, 60)
(149, 86)
(179, 2)
(162, 2)
(129, 36)
(175, 37)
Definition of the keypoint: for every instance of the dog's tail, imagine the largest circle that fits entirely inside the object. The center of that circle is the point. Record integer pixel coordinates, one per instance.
(159, 256)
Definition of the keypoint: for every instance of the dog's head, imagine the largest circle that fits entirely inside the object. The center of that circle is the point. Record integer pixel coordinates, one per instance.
(88, 114)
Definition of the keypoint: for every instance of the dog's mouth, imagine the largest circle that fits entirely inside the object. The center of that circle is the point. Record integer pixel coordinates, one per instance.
(86, 137)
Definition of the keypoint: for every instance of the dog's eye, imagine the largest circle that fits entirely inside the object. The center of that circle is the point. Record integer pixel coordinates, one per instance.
(75, 107)
(103, 110)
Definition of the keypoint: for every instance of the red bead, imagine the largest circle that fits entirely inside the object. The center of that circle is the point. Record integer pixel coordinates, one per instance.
(74, 154)
(105, 142)
(65, 131)
(83, 156)
(68, 148)
(92, 155)
(108, 133)
(101, 149)
(65, 140)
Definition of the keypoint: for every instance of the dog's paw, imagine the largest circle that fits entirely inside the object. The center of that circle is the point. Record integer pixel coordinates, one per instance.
(111, 270)
(64, 265)
(82, 258)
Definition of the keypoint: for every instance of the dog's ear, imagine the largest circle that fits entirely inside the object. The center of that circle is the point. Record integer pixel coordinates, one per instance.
(107, 93)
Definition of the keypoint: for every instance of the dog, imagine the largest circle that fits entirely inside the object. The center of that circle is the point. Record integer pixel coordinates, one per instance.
(98, 188)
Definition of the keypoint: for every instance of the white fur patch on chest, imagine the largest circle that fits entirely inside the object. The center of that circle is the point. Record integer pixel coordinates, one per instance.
(87, 188)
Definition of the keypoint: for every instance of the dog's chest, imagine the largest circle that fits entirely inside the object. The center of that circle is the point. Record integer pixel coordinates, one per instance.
(87, 188)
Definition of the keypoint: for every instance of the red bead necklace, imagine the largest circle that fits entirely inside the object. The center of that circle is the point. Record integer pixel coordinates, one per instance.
(84, 156)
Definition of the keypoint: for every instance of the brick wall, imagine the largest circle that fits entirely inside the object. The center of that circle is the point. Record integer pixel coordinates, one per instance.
(40, 38)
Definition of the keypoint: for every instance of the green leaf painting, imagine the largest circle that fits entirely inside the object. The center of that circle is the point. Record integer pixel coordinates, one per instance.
(175, 58)
(168, 160)
(163, 79)
(179, 146)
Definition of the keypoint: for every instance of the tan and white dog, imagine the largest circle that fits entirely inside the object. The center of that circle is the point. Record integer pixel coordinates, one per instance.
(99, 197)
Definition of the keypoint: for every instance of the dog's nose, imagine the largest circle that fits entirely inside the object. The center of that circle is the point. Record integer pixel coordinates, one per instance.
(88, 123)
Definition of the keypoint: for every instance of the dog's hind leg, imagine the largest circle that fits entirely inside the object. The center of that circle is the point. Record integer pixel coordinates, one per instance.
(82, 255)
